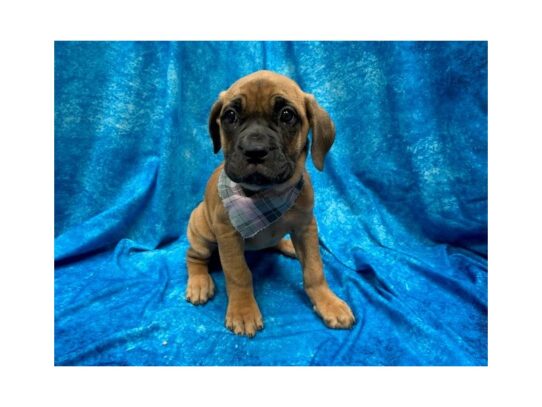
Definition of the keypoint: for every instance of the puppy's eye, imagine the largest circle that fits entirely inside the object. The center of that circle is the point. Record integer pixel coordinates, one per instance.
(287, 115)
(230, 116)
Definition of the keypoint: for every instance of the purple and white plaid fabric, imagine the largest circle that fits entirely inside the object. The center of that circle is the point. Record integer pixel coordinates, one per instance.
(251, 214)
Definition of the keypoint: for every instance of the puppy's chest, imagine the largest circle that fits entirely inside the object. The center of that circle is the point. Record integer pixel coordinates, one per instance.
(271, 235)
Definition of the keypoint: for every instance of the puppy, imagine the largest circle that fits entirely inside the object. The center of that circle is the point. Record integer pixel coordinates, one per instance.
(261, 193)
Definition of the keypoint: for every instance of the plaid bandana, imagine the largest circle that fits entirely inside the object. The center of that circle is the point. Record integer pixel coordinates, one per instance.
(251, 214)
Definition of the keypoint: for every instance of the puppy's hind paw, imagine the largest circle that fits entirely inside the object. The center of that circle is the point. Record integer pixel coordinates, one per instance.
(286, 247)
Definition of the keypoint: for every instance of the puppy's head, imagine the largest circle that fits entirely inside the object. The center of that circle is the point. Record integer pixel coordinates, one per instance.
(262, 122)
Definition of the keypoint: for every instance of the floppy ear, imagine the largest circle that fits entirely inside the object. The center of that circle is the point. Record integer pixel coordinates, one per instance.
(214, 129)
(323, 131)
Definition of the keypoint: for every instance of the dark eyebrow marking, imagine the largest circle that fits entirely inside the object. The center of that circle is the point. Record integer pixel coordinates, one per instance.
(236, 104)
(280, 102)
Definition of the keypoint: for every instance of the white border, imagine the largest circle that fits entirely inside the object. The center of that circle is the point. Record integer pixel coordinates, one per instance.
(29, 29)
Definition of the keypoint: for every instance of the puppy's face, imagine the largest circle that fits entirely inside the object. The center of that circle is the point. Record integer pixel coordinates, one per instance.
(262, 122)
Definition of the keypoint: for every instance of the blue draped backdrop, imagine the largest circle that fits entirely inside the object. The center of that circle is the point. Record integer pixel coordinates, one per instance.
(401, 205)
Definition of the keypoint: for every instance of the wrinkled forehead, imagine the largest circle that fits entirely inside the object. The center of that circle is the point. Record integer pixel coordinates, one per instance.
(262, 95)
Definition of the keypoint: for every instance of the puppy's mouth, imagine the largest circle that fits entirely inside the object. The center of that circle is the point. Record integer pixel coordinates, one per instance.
(256, 178)
(258, 174)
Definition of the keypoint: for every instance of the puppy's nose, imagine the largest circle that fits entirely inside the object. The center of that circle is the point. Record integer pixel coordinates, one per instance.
(255, 152)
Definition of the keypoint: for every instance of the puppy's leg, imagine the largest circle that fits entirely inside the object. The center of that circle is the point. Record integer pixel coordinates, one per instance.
(200, 287)
(334, 311)
(243, 314)
(286, 247)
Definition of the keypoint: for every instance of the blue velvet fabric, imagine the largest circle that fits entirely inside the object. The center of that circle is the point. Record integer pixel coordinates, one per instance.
(401, 205)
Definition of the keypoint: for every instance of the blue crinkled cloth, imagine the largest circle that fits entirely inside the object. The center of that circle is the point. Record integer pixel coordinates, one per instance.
(401, 205)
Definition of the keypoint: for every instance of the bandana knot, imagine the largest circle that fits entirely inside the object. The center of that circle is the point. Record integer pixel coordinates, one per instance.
(251, 214)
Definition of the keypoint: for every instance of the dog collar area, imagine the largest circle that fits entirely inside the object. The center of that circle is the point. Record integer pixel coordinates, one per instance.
(252, 212)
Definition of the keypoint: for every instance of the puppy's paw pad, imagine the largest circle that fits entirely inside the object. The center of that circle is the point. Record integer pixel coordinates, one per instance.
(200, 289)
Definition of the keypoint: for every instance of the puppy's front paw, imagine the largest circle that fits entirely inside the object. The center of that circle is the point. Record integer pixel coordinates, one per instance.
(334, 311)
(244, 317)
(199, 289)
